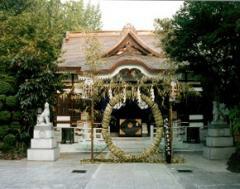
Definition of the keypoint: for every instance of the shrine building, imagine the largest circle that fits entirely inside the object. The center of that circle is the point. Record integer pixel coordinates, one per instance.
(129, 58)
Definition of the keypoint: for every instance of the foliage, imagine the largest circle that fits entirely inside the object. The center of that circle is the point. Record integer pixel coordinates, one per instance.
(31, 36)
(11, 101)
(79, 18)
(92, 53)
(9, 140)
(3, 131)
(207, 36)
(5, 116)
(234, 116)
(5, 88)
(34, 37)
(2, 98)
(233, 162)
(16, 116)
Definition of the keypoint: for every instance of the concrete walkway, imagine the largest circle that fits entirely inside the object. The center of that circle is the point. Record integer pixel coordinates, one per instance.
(58, 175)
(133, 176)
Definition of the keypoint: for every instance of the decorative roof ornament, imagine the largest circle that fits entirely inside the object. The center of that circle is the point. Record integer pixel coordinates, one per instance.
(127, 28)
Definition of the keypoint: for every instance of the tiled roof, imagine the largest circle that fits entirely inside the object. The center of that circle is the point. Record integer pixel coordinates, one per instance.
(73, 50)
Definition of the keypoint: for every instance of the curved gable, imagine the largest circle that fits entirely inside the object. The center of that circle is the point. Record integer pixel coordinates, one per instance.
(131, 44)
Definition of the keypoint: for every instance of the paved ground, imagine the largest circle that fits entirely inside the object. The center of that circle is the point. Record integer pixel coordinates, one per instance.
(58, 175)
(128, 144)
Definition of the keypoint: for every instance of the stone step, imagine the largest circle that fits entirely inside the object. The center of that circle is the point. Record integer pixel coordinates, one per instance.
(43, 154)
(43, 143)
(43, 132)
(219, 141)
(215, 153)
(219, 132)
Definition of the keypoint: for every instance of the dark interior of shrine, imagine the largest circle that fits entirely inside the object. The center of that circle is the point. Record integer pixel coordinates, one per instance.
(130, 111)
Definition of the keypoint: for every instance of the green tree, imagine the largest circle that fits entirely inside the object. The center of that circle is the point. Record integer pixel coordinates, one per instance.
(31, 35)
(207, 36)
(77, 17)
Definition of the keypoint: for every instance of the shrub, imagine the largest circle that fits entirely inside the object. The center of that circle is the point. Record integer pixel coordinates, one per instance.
(2, 98)
(9, 140)
(1, 105)
(8, 79)
(5, 116)
(2, 101)
(14, 128)
(11, 101)
(15, 125)
(25, 137)
(234, 162)
(5, 88)
(16, 116)
(3, 131)
(234, 116)
(6, 148)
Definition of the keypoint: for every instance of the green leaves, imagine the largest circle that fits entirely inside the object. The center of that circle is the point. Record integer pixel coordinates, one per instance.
(206, 34)
(234, 116)
(31, 34)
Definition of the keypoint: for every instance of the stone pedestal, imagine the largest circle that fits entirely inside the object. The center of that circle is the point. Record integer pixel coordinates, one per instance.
(219, 142)
(43, 145)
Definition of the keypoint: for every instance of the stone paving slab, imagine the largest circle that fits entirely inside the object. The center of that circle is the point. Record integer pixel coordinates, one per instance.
(205, 174)
(134, 176)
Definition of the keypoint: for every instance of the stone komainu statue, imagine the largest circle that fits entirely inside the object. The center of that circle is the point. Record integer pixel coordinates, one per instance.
(220, 112)
(44, 117)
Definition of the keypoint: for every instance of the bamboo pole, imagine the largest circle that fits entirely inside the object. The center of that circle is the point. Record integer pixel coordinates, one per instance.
(92, 125)
(169, 159)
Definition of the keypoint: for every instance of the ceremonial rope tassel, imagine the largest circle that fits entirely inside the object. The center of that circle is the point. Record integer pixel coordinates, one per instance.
(141, 103)
(110, 93)
(121, 103)
(152, 93)
(167, 140)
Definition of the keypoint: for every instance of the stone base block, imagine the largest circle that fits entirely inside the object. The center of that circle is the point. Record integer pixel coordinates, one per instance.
(219, 132)
(203, 134)
(43, 143)
(213, 153)
(43, 154)
(43, 132)
(219, 141)
(218, 124)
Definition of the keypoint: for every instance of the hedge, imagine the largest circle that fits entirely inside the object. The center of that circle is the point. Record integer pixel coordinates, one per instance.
(9, 140)
(2, 98)
(5, 116)
(5, 88)
(16, 116)
(11, 101)
(3, 131)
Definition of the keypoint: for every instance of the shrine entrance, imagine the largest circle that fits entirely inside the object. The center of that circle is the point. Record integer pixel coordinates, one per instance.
(131, 121)
(132, 128)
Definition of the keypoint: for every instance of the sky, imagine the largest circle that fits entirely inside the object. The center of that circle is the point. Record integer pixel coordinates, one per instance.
(141, 14)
